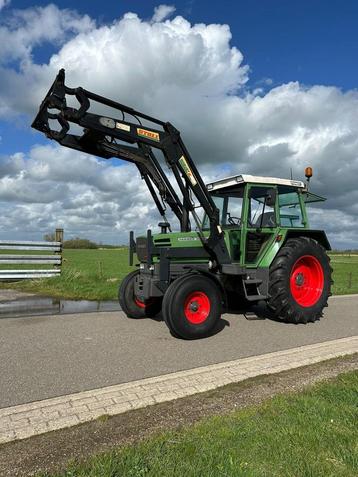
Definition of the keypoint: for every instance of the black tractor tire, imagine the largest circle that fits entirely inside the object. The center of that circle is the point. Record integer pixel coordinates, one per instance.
(192, 306)
(300, 281)
(132, 306)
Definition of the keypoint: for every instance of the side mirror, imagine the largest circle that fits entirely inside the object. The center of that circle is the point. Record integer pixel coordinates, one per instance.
(271, 197)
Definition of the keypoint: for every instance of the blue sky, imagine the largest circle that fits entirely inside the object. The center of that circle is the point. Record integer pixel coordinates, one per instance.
(313, 42)
(281, 92)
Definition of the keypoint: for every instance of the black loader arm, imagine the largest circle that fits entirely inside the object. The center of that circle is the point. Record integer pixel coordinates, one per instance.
(104, 136)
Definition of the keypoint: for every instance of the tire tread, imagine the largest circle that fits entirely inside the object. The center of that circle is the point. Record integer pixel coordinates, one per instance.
(280, 300)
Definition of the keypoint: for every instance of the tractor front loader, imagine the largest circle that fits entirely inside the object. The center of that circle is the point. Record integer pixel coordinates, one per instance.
(251, 244)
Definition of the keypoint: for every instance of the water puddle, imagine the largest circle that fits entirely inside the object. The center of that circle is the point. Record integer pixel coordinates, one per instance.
(30, 306)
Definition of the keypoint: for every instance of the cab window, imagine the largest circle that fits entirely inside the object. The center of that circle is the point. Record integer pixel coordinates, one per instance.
(230, 209)
(261, 214)
(290, 208)
(233, 212)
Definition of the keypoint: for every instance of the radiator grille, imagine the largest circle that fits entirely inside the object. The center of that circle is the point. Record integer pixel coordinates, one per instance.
(141, 248)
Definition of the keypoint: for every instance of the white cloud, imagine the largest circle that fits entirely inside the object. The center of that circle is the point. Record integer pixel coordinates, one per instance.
(3, 3)
(55, 186)
(26, 29)
(140, 62)
(189, 75)
(162, 12)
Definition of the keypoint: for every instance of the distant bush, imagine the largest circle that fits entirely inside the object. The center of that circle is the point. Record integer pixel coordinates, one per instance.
(79, 243)
(108, 246)
(49, 237)
(347, 251)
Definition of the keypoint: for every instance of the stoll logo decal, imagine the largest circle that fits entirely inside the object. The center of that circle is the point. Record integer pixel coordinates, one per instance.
(149, 134)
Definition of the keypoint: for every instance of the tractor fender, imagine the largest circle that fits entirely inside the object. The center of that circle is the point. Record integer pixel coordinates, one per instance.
(318, 235)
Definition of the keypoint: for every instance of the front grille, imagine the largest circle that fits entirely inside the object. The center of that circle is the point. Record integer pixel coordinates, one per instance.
(141, 249)
(162, 242)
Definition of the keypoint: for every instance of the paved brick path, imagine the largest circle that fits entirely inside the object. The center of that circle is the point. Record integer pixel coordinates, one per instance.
(19, 422)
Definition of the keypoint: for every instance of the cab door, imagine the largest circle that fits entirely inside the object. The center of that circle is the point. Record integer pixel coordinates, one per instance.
(231, 222)
(260, 222)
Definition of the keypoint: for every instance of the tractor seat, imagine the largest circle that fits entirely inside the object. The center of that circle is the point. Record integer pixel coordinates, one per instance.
(268, 220)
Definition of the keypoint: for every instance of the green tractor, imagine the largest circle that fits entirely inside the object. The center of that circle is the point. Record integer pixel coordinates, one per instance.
(250, 243)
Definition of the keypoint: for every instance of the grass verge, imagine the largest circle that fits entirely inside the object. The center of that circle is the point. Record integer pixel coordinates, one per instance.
(312, 433)
(96, 275)
(52, 452)
(345, 274)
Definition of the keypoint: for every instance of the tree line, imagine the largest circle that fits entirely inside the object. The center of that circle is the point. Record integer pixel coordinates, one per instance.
(76, 242)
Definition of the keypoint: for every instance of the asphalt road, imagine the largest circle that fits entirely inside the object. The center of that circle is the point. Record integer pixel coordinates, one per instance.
(47, 356)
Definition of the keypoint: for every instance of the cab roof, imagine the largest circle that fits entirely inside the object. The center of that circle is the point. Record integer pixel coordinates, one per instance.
(245, 178)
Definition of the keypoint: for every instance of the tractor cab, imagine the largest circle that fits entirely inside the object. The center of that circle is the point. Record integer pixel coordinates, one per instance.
(254, 210)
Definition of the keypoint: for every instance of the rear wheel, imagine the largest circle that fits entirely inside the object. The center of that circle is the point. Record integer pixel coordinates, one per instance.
(300, 281)
(132, 306)
(192, 306)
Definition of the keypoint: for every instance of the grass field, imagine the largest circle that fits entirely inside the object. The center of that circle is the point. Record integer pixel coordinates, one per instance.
(312, 433)
(345, 273)
(96, 274)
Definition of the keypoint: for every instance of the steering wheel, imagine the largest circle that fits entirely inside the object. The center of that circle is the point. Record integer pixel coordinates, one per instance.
(231, 220)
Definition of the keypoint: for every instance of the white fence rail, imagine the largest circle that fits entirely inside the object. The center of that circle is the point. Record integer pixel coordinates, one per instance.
(55, 259)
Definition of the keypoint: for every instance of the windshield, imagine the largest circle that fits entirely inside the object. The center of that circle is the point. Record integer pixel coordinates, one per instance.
(230, 207)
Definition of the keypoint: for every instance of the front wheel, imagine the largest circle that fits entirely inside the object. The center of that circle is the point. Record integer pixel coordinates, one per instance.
(132, 306)
(192, 306)
(300, 281)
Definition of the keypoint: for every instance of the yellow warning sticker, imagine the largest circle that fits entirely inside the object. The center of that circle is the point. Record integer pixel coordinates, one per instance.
(148, 134)
(187, 170)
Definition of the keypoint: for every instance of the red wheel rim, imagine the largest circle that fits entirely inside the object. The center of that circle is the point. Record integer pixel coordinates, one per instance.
(197, 307)
(307, 280)
(139, 303)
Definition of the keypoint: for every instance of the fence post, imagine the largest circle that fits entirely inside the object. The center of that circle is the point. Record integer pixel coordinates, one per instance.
(59, 235)
(59, 238)
(100, 269)
(350, 280)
